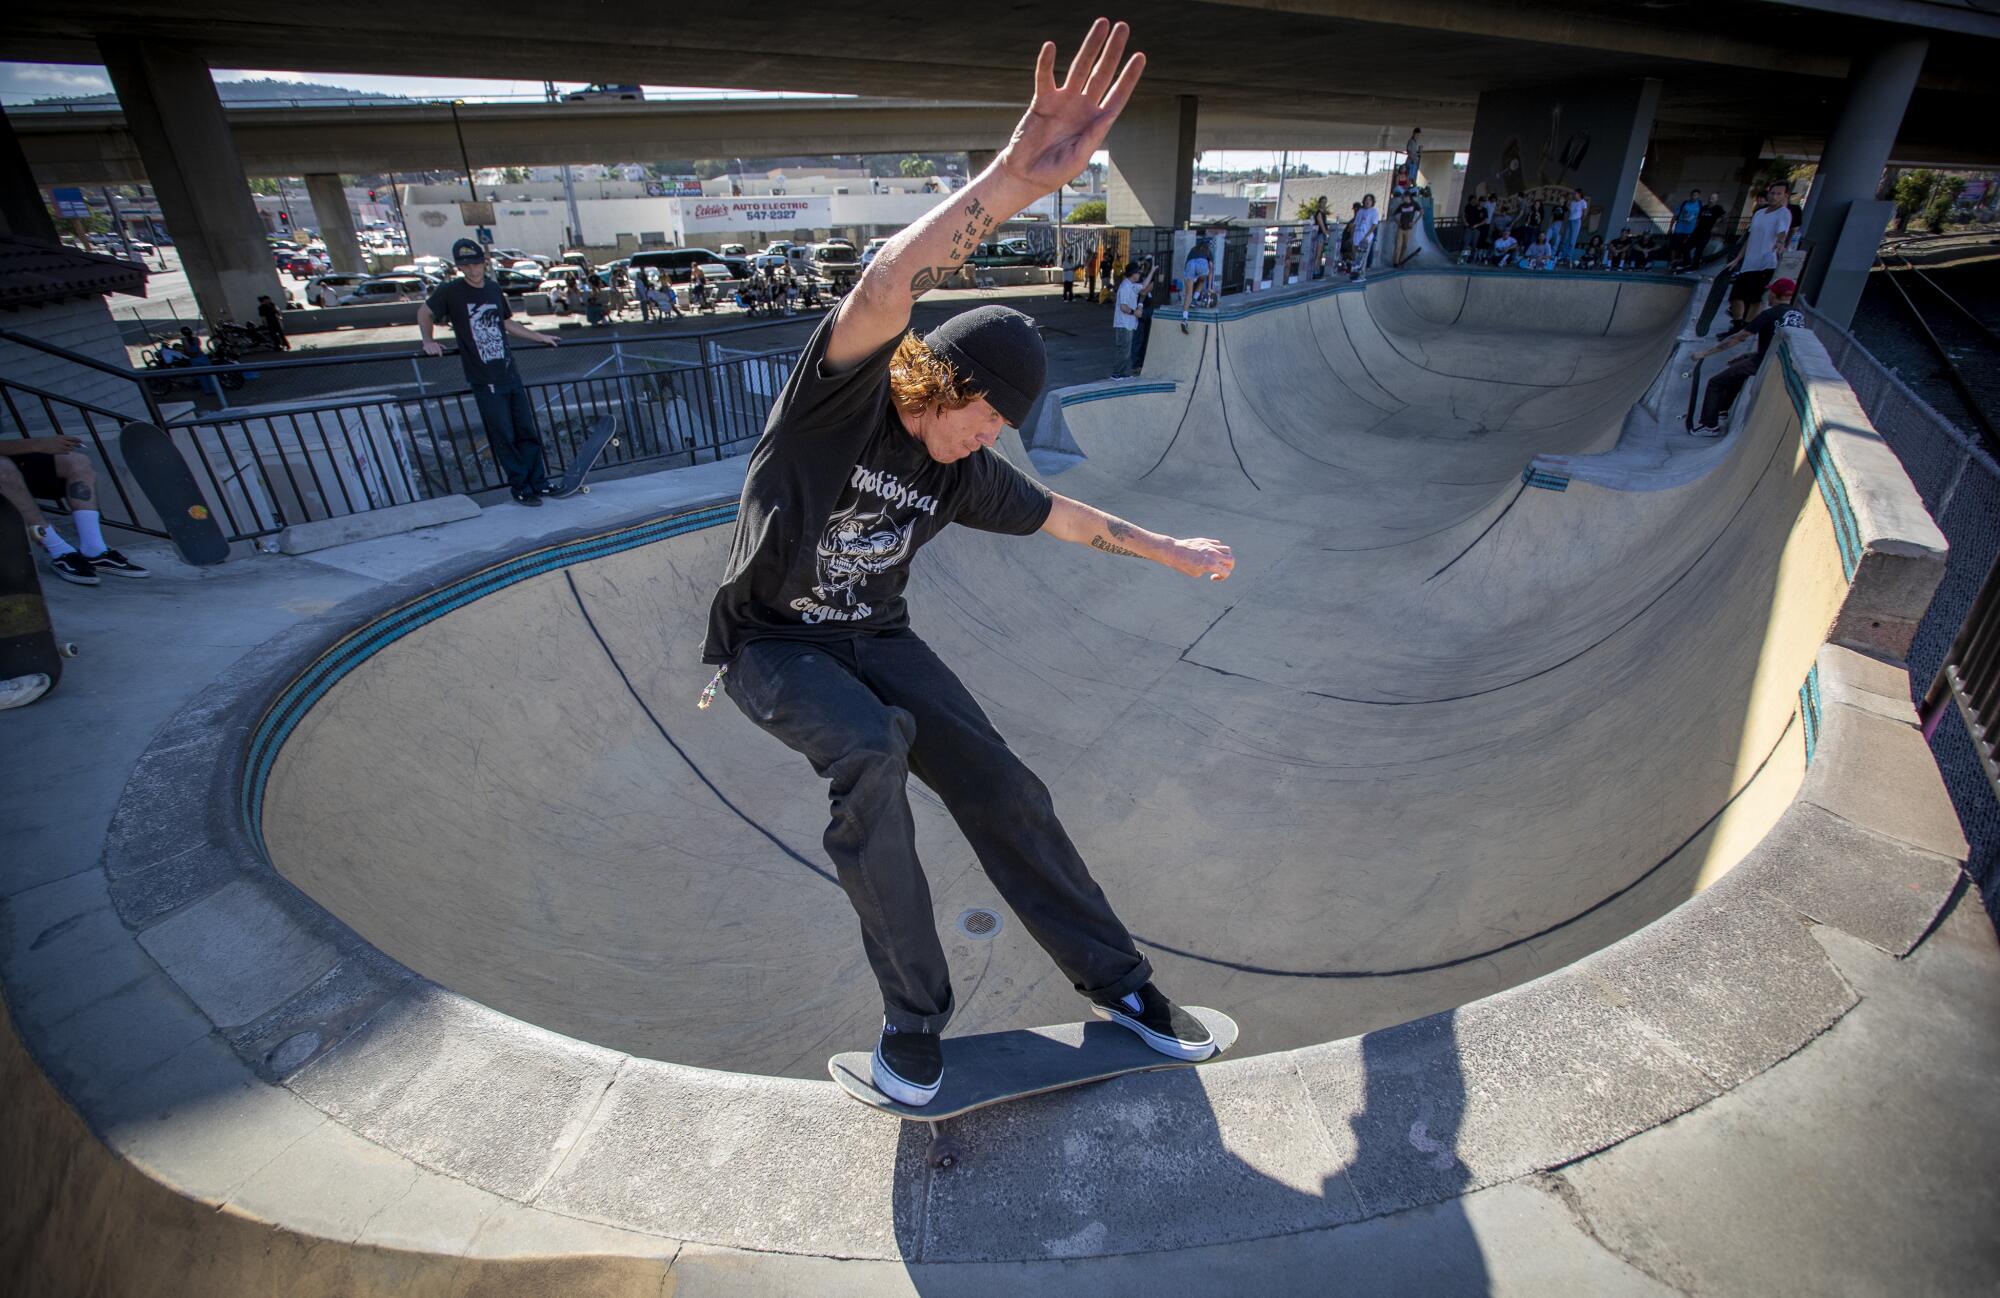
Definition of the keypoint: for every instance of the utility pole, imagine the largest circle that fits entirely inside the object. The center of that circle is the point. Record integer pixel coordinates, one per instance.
(458, 130)
(569, 184)
(118, 223)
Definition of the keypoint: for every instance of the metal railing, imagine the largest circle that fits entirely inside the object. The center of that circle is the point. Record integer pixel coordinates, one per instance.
(402, 428)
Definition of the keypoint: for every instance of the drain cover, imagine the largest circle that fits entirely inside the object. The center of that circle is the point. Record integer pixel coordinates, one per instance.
(979, 923)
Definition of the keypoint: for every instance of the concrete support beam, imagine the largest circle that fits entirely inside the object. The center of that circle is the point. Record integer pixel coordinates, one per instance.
(1850, 166)
(1152, 163)
(1541, 142)
(978, 160)
(22, 212)
(176, 119)
(336, 223)
(1719, 164)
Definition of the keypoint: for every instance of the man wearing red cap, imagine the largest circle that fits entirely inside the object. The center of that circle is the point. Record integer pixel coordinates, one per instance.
(1722, 389)
(879, 440)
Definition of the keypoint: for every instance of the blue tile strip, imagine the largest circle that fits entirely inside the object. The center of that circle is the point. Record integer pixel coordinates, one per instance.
(1544, 479)
(1809, 711)
(1832, 491)
(1069, 399)
(310, 685)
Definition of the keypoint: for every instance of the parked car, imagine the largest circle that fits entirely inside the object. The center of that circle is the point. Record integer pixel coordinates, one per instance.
(527, 266)
(1002, 254)
(505, 256)
(868, 253)
(675, 263)
(596, 91)
(734, 250)
(340, 283)
(431, 266)
(575, 259)
(769, 261)
(386, 288)
(516, 281)
(834, 259)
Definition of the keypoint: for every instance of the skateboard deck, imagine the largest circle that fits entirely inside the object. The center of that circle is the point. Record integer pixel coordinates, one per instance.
(599, 433)
(165, 481)
(995, 1067)
(27, 638)
(1694, 393)
(1716, 293)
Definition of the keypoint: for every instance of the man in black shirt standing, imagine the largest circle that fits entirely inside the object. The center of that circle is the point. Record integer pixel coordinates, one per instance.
(880, 440)
(1722, 389)
(481, 320)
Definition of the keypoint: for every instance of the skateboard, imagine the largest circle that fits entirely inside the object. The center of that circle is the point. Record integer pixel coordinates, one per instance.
(995, 1067)
(598, 434)
(165, 481)
(1408, 257)
(1716, 293)
(28, 642)
(1694, 393)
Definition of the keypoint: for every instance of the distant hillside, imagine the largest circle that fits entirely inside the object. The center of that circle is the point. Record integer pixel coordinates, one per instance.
(263, 88)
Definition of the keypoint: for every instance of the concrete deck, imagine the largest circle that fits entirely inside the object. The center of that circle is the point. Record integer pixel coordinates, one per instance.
(1714, 1013)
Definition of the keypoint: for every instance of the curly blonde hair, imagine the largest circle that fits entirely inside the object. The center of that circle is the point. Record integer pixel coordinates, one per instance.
(923, 382)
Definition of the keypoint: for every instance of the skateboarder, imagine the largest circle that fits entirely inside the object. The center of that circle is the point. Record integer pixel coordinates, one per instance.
(1722, 389)
(878, 441)
(481, 320)
(55, 468)
(1194, 277)
(1757, 260)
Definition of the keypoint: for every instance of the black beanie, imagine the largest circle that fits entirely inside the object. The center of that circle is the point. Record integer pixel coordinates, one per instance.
(999, 350)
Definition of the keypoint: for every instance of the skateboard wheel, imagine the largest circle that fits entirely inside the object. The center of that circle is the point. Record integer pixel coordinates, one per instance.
(944, 1154)
(585, 490)
(67, 649)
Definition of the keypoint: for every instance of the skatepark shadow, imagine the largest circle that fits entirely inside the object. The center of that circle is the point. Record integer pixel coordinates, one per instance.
(1208, 1181)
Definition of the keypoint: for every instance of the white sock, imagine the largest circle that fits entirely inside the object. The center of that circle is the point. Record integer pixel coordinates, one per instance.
(87, 533)
(52, 542)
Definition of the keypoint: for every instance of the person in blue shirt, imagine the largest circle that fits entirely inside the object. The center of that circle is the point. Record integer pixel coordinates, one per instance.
(1679, 253)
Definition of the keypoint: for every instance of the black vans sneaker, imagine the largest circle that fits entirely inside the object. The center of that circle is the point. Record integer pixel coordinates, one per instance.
(117, 564)
(1160, 1023)
(908, 1065)
(73, 567)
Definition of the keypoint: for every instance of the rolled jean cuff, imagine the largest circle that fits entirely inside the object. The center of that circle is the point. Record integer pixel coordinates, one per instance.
(1142, 973)
(904, 1021)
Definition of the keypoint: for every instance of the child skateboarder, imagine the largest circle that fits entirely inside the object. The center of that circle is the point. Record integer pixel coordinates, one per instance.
(880, 440)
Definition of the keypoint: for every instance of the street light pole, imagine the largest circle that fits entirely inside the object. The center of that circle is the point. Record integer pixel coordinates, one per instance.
(458, 130)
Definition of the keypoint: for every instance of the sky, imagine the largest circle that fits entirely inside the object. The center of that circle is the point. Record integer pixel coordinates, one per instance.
(22, 83)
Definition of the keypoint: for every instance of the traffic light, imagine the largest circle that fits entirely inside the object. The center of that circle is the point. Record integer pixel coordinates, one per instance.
(284, 217)
(371, 195)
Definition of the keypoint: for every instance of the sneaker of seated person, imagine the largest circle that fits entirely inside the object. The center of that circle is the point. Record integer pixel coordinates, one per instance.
(1160, 1023)
(75, 569)
(908, 1066)
(117, 564)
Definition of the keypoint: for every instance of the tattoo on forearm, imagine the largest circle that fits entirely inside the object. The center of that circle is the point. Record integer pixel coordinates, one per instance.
(979, 222)
(1122, 530)
(1106, 546)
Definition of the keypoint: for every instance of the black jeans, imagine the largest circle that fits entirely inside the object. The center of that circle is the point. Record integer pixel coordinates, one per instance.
(1722, 389)
(870, 711)
(511, 432)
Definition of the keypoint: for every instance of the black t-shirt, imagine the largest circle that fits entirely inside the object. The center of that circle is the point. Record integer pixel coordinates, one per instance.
(1406, 214)
(837, 498)
(1765, 326)
(476, 315)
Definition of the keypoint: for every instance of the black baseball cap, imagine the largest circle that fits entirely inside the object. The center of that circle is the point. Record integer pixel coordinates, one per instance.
(466, 251)
(999, 350)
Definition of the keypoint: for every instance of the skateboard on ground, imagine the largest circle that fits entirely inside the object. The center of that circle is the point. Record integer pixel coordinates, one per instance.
(167, 484)
(1716, 293)
(28, 642)
(995, 1067)
(599, 433)
(1408, 257)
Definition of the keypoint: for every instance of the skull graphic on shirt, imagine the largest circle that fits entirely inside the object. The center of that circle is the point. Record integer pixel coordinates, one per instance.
(859, 543)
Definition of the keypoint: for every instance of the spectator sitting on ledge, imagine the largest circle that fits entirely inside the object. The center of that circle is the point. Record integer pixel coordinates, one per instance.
(1504, 248)
(1541, 254)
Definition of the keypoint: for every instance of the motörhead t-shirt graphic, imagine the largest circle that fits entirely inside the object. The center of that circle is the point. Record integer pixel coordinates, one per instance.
(837, 499)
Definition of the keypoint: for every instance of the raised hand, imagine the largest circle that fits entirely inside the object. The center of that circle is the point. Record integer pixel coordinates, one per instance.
(1066, 123)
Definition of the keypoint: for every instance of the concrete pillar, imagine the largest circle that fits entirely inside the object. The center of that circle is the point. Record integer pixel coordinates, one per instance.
(175, 118)
(22, 212)
(1538, 143)
(336, 223)
(1850, 166)
(1152, 163)
(1723, 164)
(978, 160)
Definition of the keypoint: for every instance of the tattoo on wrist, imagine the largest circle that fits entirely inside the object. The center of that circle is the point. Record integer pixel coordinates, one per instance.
(1106, 546)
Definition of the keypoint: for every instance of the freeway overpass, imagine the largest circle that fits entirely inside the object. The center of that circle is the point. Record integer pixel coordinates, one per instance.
(96, 146)
(1702, 93)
